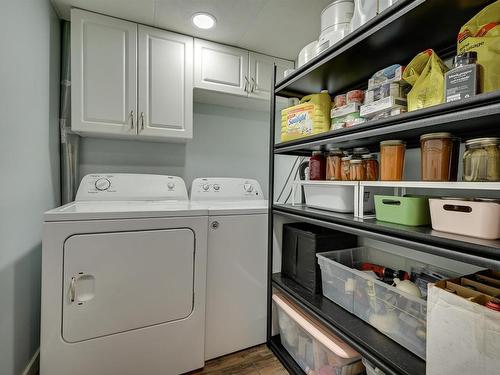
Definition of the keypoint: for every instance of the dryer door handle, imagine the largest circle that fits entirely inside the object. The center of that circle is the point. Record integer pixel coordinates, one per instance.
(72, 289)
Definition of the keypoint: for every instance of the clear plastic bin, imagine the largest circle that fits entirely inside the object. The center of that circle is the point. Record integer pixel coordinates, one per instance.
(313, 347)
(370, 369)
(399, 315)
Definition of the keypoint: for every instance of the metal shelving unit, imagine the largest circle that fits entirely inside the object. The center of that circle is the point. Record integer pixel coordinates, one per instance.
(396, 35)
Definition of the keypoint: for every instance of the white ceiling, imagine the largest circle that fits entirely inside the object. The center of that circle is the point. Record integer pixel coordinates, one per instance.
(275, 27)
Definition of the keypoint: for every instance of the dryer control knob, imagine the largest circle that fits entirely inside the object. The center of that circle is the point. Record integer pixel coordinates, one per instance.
(102, 184)
(216, 187)
(248, 188)
(170, 186)
(205, 187)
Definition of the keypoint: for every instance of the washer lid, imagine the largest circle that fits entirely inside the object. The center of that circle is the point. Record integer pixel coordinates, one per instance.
(102, 210)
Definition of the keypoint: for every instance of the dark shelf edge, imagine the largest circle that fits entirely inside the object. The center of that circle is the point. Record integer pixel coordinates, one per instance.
(469, 252)
(385, 126)
(284, 357)
(386, 364)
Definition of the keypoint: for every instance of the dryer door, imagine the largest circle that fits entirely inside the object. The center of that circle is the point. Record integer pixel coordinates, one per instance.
(116, 282)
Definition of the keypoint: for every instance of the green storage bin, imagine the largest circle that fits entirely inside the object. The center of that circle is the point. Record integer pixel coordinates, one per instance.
(408, 210)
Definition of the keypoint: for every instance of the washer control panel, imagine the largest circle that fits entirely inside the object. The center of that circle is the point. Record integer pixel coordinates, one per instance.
(127, 187)
(223, 188)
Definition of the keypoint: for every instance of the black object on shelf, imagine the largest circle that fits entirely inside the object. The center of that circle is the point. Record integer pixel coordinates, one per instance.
(301, 242)
(386, 354)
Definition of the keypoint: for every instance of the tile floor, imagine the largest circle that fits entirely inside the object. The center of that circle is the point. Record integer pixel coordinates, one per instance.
(258, 360)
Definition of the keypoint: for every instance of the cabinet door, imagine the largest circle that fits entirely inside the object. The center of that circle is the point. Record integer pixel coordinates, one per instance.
(165, 84)
(261, 74)
(220, 68)
(103, 74)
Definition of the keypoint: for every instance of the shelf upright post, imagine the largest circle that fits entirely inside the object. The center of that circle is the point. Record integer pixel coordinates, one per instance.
(270, 211)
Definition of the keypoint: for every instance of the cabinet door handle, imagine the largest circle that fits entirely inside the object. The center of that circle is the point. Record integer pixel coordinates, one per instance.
(142, 120)
(254, 85)
(72, 291)
(131, 119)
(246, 84)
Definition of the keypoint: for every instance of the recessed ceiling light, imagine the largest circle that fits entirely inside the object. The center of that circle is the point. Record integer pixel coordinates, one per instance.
(203, 20)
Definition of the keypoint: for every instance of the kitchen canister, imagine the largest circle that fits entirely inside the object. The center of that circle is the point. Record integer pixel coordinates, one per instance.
(337, 12)
(307, 53)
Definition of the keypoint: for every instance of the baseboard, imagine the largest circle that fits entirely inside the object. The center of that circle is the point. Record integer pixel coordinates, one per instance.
(34, 364)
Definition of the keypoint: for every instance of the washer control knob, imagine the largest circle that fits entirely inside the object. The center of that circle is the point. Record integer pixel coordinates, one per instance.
(248, 188)
(216, 187)
(102, 184)
(170, 186)
(205, 187)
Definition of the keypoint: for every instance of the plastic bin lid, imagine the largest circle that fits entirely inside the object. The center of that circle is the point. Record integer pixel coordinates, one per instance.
(315, 329)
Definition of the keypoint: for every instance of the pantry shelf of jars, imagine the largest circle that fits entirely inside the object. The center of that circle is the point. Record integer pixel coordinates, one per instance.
(362, 160)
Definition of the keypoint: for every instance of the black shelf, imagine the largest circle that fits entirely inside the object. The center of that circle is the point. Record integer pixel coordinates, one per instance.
(385, 353)
(286, 359)
(474, 117)
(395, 36)
(484, 253)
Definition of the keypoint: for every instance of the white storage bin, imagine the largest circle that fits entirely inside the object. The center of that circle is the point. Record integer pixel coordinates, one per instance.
(476, 218)
(335, 196)
(399, 315)
(313, 347)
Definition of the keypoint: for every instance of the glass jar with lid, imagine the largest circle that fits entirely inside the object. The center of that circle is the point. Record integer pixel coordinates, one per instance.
(392, 158)
(481, 160)
(317, 166)
(439, 157)
(334, 164)
(370, 164)
(356, 170)
(345, 168)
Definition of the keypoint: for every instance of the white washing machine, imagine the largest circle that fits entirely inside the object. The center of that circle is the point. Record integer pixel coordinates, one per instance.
(123, 279)
(237, 263)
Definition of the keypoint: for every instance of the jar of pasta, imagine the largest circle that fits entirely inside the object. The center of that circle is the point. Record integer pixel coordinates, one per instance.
(392, 158)
(334, 164)
(357, 170)
(370, 164)
(345, 168)
(481, 161)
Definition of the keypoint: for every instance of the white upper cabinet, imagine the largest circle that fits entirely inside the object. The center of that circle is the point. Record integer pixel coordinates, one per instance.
(165, 84)
(129, 80)
(261, 73)
(231, 70)
(104, 74)
(220, 68)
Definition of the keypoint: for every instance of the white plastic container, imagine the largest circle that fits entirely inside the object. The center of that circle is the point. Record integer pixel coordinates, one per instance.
(384, 4)
(339, 11)
(312, 346)
(370, 369)
(335, 196)
(331, 36)
(307, 53)
(364, 10)
(479, 219)
(399, 315)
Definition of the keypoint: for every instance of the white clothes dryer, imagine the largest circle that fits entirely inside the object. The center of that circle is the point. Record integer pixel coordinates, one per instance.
(123, 279)
(237, 263)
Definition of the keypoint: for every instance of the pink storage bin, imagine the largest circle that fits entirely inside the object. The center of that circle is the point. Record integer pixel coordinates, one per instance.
(475, 218)
(311, 345)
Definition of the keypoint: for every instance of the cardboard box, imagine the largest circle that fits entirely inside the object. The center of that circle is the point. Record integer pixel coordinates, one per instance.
(463, 336)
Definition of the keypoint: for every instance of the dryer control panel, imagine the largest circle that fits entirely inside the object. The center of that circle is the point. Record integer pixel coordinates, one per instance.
(131, 187)
(225, 188)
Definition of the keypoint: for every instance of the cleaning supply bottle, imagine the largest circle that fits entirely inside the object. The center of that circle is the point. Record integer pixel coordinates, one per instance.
(364, 10)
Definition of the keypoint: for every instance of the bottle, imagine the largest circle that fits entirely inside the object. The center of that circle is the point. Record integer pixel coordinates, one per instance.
(364, 10)
(317, 166)
(462, 81)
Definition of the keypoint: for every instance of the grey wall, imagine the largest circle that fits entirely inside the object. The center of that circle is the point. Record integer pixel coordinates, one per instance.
(29, 166)
(227, 142)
